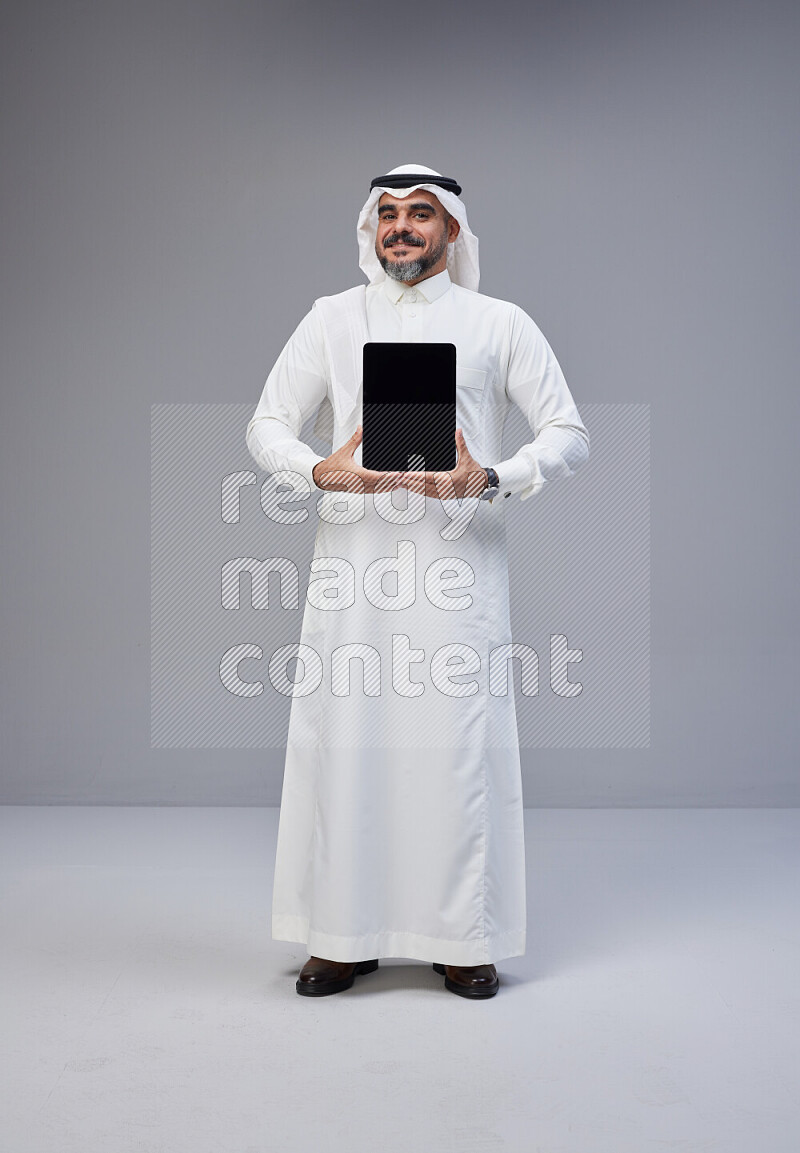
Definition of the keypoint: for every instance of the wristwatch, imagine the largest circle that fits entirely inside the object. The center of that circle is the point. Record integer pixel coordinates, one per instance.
(493, 487)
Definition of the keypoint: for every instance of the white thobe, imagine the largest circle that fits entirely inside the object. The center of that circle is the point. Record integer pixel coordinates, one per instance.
(400, 828)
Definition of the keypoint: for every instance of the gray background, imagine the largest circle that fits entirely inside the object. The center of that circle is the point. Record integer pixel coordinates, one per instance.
(180, 180)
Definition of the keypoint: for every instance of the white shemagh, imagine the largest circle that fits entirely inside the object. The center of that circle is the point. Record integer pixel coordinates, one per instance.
(343, 316)
(462, 254)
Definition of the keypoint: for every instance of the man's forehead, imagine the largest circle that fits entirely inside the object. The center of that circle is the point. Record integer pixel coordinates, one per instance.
(417, 195)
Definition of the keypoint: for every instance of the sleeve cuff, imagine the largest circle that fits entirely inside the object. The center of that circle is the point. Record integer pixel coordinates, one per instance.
(274, 451)
(304, 465)
(514, 475)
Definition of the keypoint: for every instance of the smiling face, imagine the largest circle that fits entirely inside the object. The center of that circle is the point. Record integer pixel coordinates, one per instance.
(413, 234)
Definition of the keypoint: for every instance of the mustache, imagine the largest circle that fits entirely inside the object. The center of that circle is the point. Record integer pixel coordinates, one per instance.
(403, 238)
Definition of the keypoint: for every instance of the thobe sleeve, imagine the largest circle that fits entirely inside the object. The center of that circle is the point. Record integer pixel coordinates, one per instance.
(293, 391)
(536, 384)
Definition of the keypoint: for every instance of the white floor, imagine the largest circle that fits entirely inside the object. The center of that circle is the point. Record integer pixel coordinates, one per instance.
(146, 1008)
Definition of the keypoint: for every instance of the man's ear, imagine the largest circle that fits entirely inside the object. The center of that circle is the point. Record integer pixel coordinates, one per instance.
(453, 229)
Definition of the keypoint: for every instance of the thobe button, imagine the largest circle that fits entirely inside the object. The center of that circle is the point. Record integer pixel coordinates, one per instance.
(506, 494)
(412, 313)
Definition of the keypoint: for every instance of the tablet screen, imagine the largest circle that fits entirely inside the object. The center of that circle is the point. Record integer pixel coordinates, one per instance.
(409, 407)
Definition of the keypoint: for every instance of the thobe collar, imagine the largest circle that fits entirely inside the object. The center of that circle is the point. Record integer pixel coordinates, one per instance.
(429, 289)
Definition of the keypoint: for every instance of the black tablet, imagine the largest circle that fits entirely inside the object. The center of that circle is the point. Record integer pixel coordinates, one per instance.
(409, 407)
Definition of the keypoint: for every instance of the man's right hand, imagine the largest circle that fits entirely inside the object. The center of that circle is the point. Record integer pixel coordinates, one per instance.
(339, 472)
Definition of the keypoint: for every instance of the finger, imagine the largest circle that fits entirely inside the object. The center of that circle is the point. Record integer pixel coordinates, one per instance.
(345, 476)
(351, 446)
(415, 481)
(443, 485)
(465, 457)
(461, 446)
(387, 481)
(475, 483)
(382, 481)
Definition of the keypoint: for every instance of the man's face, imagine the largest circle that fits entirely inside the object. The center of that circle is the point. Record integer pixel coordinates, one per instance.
(413, 234)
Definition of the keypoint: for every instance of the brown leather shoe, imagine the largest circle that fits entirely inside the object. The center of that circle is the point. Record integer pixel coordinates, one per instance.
(470, 980)
(319, 977)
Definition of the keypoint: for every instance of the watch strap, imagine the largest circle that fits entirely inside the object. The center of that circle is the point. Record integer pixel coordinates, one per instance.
(493, 485)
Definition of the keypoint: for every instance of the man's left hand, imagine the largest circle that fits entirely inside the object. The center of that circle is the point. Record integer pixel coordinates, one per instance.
(466, 479)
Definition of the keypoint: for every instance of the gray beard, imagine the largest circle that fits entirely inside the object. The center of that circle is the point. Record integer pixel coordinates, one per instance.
(405, 270)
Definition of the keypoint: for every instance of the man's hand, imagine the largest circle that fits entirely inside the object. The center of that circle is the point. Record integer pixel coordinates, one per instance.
(466, 479)
(340, 473)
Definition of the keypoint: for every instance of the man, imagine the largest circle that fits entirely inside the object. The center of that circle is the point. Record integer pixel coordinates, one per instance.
(401, 827)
